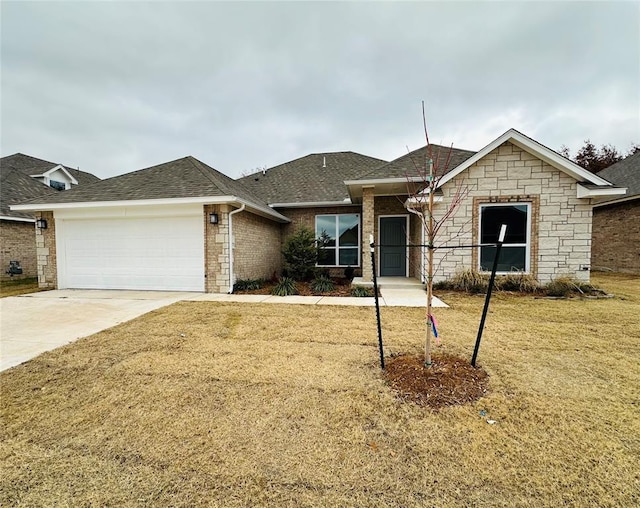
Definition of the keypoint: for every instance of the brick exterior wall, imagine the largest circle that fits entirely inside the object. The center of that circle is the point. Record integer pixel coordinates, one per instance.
(46, 252)
(307, 217)
(616, 237)
(257, 247)
(561, 243)
(18, 243)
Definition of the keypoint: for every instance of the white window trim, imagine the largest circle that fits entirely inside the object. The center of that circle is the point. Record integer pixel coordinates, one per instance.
(407, 236)
(527, 245)
(337, 246)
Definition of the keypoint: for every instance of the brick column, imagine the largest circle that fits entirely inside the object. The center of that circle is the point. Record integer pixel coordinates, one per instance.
(46, 252)
(368, 229)
(216, 249)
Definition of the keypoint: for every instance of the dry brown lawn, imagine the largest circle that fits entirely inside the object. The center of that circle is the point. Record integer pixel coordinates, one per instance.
(213, 404)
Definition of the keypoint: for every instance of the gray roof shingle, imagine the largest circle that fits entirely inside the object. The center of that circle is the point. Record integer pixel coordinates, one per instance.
(33, 166)
(182, 178)
(414, 163)
(625, 173)
(17, 186)
(314, 178)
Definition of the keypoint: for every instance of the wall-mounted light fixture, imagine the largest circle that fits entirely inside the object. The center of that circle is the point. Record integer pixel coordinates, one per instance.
(213, 218)
(41, 224)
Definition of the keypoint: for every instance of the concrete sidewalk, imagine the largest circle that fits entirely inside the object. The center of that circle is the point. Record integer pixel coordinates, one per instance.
(390, 297)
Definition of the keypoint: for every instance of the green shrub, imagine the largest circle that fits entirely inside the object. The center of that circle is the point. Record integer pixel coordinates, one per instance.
(284, 287)
(360, 291)
(301, 254)
(322, 284)
(248, 284)
(349, 272)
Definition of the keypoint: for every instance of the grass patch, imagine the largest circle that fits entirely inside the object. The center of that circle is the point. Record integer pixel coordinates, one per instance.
(15, 287)
(221, 404)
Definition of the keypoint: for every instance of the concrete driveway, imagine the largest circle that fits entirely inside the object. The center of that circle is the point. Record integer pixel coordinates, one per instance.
(35, 323)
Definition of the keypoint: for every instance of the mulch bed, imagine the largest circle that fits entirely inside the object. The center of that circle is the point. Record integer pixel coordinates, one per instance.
(342, 288)
(449, 381)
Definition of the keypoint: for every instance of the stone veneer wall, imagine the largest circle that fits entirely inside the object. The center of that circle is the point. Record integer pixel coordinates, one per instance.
(216, 249)
(616, 237)
(18, 243)
(561, 243)
(307, 217)
(46, 252)
(257, 246)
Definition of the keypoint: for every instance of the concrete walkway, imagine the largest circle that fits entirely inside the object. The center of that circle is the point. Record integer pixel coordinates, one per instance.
(34, 323)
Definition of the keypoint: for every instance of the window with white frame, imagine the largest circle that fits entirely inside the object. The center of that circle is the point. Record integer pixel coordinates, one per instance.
(514, 255)
(341, 235)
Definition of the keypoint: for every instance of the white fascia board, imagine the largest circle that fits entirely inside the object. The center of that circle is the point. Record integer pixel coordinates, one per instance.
(529, 145)
(17, 219)
(584, 192)
(312, 204)
(204, 200)
(377, 181)
(617, 201)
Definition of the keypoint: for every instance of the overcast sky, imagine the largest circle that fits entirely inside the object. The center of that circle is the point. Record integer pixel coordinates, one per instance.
(114, 87)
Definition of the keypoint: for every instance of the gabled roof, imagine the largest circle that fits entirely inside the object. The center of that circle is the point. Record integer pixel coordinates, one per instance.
(389, 178)
(625, 173)
(314, 179)
(34, 166)
(533, 147)
(185, 180)
(18, 186)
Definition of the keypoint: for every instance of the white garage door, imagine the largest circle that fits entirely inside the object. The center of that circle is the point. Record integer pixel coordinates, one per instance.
(158, 253)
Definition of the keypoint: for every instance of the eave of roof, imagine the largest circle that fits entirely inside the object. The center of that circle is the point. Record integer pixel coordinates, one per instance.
(204, 200)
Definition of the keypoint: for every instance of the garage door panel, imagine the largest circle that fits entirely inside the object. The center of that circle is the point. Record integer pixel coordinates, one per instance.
(161, 253)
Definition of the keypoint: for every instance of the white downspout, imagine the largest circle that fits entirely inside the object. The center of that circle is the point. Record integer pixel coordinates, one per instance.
(231, 281)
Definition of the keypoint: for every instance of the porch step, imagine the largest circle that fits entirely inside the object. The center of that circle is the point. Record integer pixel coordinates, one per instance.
(391, 283)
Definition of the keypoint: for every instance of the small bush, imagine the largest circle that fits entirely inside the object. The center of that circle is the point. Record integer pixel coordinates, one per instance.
(322, 284)
(567, 286)
(360, 291)
(517, 281)
(248, 284)
(301, 254)
(470, 281)
(284, 287)
(349, 272)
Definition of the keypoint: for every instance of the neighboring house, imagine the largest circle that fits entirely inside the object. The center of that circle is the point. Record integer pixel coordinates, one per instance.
(615, 244)
(185, 226)
(22, 178)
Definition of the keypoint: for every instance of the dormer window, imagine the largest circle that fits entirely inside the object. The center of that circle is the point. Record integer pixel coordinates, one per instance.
(55, 184)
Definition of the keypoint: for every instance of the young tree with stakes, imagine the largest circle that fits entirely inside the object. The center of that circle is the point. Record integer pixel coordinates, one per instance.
(421, 202)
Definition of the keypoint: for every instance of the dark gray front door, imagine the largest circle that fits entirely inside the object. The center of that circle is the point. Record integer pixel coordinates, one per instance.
(393, 252)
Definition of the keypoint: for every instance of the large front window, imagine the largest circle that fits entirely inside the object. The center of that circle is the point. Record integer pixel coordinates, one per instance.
(341, 235)
(515, 249)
